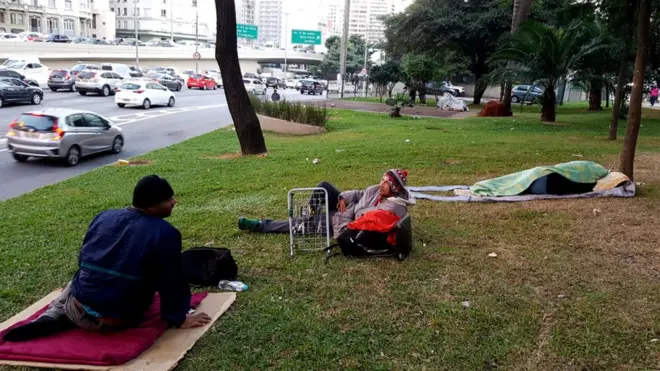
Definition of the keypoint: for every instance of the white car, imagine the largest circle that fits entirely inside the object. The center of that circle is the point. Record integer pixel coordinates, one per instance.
(145, 93)
(31, 70)
(217, 76)
(460, 91)
(254, 86)
(290, 84)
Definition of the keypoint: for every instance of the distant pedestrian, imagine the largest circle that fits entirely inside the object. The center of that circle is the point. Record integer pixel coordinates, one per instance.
(275, 96)
(654, 94)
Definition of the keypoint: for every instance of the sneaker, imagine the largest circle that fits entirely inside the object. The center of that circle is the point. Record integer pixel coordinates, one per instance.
(246, 224)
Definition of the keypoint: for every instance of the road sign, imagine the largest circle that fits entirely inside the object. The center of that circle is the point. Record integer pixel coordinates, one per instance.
(196, 56)
(247, 31)
(306, 37)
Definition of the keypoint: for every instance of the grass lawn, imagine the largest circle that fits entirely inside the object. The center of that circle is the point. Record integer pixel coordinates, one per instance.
(574, 285)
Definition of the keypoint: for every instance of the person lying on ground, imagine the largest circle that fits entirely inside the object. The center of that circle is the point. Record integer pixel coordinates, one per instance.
(345, 207)
(127, 256)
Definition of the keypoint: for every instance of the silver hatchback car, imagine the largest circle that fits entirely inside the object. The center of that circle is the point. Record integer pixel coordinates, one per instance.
(62, 133)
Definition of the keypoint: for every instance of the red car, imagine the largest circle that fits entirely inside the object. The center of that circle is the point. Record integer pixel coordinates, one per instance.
(203, 82)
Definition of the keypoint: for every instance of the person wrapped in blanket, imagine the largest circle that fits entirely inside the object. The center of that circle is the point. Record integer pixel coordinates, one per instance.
(126, 257)
(389, 195)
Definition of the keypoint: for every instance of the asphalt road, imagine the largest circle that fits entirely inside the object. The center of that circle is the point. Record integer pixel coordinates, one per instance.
(196, 112)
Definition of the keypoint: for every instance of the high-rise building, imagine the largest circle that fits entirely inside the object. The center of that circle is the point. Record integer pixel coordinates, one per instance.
(268, 17)
(365, 16)
(164, 19)
(72, 18)
(245, 11)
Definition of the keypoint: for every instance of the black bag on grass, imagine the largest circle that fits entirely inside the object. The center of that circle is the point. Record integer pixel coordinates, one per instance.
(206, 266)
(359, 243)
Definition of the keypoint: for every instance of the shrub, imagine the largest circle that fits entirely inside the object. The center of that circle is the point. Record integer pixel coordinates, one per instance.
(309, 113)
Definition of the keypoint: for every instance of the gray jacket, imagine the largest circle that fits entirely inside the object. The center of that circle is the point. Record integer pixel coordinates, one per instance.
(360, 202)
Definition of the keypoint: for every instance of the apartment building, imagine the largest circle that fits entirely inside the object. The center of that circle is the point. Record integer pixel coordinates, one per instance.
(269, 18)
(89, 18)
(164, 19)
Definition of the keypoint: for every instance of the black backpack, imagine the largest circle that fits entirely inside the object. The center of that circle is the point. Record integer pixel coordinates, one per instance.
(360, 244)
(206, 266)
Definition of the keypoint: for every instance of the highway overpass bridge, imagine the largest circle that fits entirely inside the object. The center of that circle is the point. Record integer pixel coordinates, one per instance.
(55, 55)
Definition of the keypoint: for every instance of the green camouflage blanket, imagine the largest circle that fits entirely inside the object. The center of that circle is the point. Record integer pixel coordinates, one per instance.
(516, 183)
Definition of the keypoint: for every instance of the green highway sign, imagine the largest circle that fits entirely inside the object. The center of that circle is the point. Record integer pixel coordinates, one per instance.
(306, 37)
(247, 31)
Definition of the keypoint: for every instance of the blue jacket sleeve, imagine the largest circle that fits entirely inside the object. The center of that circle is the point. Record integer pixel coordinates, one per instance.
(172, 284)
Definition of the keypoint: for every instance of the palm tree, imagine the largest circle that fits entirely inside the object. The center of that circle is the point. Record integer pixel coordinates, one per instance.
(545, 55)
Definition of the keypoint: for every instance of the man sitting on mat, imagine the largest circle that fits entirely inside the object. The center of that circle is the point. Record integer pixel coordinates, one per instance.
(345, 207)
(127, 256)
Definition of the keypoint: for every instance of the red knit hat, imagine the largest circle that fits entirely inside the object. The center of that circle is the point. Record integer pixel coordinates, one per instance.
(397, 179)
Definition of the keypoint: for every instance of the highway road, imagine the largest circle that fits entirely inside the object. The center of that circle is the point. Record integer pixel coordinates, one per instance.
(196, 112)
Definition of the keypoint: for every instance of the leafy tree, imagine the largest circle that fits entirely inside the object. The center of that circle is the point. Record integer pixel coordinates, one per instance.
(436, 27)
(545, 55)
(420, 69)
(385, 77)
(247, 125)
(593, 72)
(354, 56)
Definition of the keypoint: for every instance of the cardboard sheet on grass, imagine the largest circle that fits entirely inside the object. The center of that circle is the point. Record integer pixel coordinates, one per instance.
(164, 355)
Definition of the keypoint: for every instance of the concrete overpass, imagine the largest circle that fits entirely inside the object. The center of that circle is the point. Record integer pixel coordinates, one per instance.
(56, 55)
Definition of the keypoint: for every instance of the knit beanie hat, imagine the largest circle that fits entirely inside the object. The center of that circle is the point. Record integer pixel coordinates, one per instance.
(150, 191)
(398, 180)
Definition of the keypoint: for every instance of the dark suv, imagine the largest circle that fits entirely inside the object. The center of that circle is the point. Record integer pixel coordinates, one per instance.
(62, 79)
(274, 82)
(311, 87)
(520, 92)
(16, 75)
(438, 89)
(53, 38)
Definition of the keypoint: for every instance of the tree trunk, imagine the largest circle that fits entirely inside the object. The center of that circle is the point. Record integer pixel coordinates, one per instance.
(596, 95)
(242, 113)
(548, 113)
(480, 86)
(422, 94)
(521, 9)
(502, 90)
(413, 95)
(390, 87)
(627, 162)
(607, 96)
(618, 94)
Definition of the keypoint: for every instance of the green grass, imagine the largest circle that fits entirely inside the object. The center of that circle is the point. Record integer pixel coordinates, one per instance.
(571, 289)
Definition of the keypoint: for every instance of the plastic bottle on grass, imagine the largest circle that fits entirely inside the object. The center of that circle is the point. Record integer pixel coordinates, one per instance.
(232, 286)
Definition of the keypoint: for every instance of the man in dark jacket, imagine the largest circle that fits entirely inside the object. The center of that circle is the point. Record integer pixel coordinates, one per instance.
(127, 256)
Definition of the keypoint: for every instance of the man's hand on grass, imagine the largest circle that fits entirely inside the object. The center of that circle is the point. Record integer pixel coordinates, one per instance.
(196, 320)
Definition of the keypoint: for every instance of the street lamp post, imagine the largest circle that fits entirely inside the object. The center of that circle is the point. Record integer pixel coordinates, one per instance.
(27, 18)
(286, 34)
(172, 20)
(196, 34)
(344, 47)
(366, 45)
(137, 40)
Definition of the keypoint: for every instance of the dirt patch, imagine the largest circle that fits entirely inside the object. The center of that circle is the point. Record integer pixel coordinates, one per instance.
(229, 156)
(647, 166)
(132, 162)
